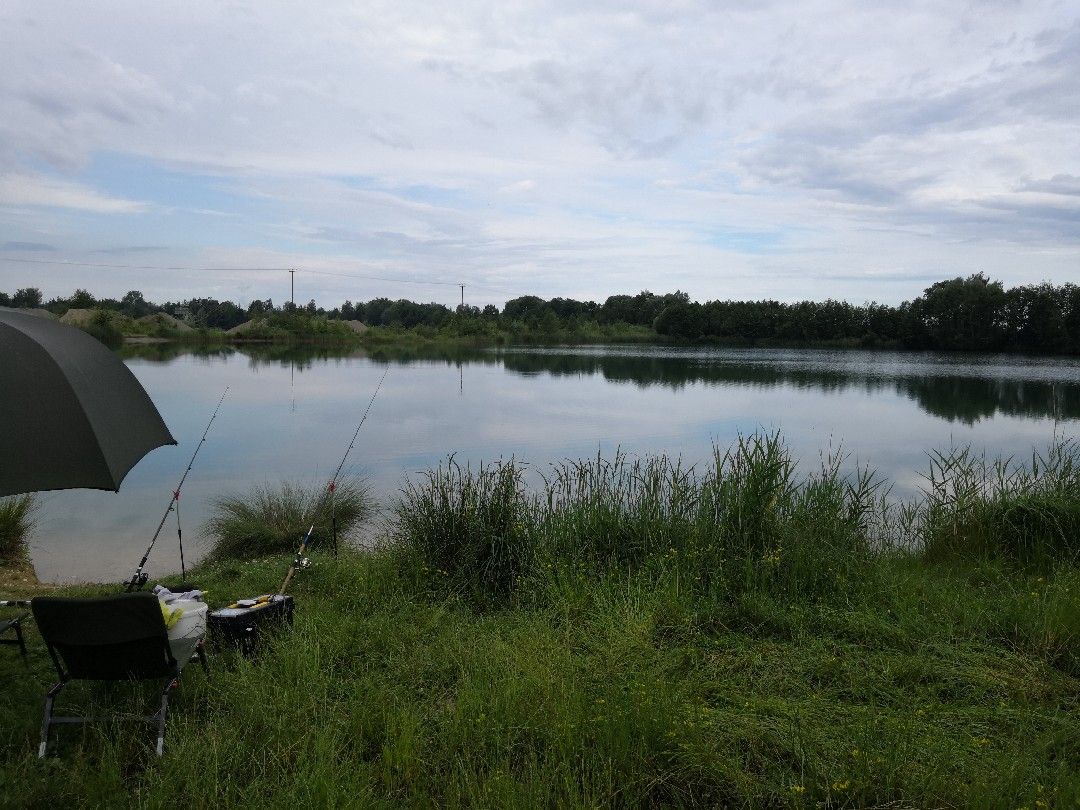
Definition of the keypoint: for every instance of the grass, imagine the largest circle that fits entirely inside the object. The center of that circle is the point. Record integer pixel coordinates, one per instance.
(748, 522)
(621, 633)
(272, 519)
(16, 523)
(1027, 511)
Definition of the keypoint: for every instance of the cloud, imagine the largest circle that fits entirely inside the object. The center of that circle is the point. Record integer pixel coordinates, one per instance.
(1067, 184)
(395, 140)
(28, 247)
(129, 250)
(550, 147)
(25, 189)
(518, 187)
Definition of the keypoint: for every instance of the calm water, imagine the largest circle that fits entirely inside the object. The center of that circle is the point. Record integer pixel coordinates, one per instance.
(289, 415)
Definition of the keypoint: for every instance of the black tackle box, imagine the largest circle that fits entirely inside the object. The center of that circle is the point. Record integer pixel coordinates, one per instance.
(241, 623)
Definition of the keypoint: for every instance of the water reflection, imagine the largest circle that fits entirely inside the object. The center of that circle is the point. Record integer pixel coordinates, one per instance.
(957, 388)
(965, 399)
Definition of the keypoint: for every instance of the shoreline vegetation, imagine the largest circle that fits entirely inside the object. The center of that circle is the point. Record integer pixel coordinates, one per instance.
(630, 632)
(17, 515)
(972, 314)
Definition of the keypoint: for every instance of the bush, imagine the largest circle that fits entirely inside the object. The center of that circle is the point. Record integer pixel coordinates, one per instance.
(272, 520)
(16, 522)
(103, 326)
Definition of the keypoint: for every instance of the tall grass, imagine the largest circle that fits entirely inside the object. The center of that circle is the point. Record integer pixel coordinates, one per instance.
(272, 519)
(1025, 510)
(747, 521)
(469, 526)
(16, 523)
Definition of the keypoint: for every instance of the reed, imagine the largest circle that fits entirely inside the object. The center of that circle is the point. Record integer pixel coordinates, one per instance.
(469, 527)
(16, 523)
(747, 521)
(1025, 510)
(270, 519)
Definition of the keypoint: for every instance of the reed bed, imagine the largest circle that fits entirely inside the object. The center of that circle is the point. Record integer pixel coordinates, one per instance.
(1022, 509)
(746, 521)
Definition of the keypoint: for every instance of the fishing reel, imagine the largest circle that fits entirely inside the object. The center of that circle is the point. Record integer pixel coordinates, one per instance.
(299, 563)
(137, 581)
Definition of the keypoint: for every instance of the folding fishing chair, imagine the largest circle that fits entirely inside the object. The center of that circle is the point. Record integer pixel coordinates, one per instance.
(16, 625)
(111, 638)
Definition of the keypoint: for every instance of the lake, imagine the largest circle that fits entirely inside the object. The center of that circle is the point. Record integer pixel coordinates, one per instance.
(290, 414)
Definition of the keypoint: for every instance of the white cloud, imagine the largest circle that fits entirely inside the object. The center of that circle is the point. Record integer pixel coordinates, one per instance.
(518, 187)
(25, 189)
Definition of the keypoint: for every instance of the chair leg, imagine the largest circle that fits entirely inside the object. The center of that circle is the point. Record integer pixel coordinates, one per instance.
(162, 712)
(46, 720)
(20, 639)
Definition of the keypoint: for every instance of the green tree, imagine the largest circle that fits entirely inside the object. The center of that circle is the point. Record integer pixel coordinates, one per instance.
(680, 320)
(134, 305)
(29, 297)
(965, 314)
(81, 299)
(525, 308)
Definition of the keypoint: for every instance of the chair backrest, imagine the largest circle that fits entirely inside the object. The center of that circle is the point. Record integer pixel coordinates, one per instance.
(106, 638)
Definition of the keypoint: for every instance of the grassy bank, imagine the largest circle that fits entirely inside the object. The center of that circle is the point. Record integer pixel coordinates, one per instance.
(634, 633)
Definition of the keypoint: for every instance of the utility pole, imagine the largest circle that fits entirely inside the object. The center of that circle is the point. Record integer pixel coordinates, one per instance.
(292, 287)
(462, 294)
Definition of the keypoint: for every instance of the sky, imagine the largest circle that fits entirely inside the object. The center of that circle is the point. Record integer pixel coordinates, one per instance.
(732, 150)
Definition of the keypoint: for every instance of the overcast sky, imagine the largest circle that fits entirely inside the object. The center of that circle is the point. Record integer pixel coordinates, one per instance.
(742, 149)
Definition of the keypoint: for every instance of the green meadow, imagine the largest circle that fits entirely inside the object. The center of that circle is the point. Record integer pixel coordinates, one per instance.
(621, 633)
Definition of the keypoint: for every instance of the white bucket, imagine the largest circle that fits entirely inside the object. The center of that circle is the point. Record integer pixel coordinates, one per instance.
(192, 622)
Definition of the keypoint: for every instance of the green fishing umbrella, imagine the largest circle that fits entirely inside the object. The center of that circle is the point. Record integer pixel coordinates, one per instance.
(72, 415)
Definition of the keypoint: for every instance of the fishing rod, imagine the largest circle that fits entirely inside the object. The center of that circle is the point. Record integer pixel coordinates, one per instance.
(300, 561)
(138, 579)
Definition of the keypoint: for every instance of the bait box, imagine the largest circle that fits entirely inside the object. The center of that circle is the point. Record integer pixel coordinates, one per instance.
(241, 626)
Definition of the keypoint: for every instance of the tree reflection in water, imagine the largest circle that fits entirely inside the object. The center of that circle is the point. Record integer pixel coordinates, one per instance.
(960, 388)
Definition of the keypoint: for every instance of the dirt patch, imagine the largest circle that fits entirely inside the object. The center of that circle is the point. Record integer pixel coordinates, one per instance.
(18, 579)
(241, 328)
(78, 317)
(165, 320)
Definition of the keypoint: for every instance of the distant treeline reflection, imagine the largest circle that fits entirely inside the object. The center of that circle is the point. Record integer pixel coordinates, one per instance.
(965, 398)
(956, 398)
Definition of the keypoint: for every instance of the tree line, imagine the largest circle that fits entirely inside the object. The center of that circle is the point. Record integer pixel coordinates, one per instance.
(963, 314)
